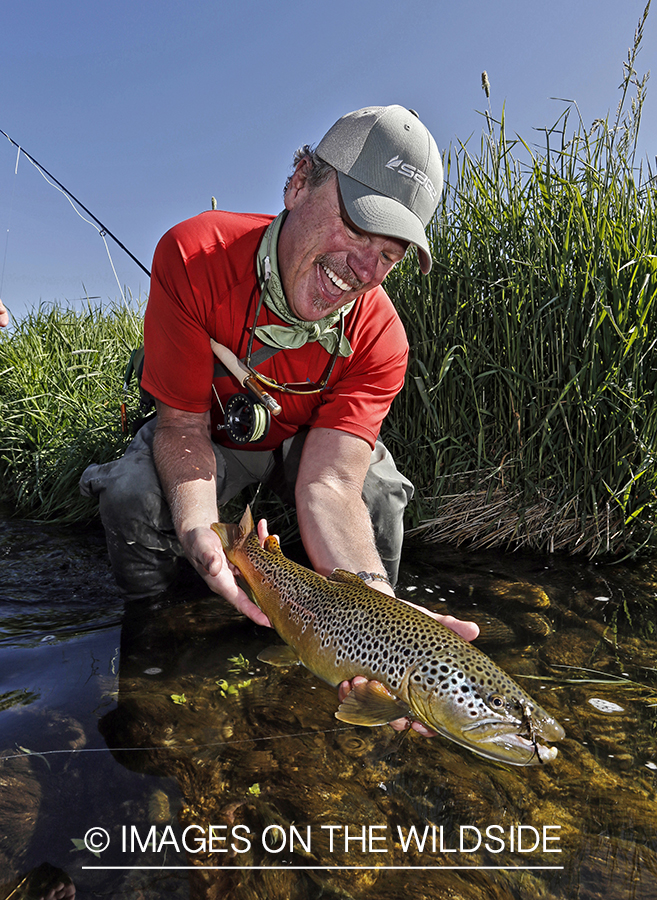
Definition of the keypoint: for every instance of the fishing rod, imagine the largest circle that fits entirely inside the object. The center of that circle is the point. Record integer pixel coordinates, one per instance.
(105, 229)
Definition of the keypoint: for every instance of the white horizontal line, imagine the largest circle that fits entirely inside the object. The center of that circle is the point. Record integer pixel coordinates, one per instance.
(312, 868)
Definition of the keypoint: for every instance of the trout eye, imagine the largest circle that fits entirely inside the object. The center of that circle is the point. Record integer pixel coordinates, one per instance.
(496, 701)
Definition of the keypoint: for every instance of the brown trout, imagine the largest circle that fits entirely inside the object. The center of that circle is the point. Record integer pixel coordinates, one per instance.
(338, 627)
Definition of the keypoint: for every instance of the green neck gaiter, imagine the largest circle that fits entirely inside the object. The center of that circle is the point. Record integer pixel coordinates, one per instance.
(297, 332)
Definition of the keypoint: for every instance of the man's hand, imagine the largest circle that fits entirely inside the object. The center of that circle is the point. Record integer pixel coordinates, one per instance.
(185, 462)
(467, 630)
(4, 315)
(204, 550)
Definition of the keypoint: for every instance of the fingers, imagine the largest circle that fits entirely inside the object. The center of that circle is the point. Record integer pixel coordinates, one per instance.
(404, 724)
(60, 892)
(204, 549)
(227, 587)
(4, 315)
(263, 532)
(245, 606)
(467, 630)
(346, 686)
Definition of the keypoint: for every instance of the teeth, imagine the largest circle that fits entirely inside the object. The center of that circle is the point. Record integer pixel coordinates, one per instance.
(338, 282)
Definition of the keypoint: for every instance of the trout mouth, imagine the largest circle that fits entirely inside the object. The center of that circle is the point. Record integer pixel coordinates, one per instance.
(503, 745)
(511, 736)
(515, 745)
(510, 739)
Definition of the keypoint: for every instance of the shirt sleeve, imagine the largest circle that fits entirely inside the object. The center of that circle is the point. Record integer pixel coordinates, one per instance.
(178, 358)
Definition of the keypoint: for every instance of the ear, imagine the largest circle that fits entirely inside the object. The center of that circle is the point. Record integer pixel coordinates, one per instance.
(297, 185)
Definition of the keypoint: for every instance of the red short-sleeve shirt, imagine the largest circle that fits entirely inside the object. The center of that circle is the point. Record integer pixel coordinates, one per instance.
(204, 284)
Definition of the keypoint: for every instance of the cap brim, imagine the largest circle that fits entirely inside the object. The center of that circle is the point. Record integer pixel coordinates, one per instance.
(380, 214)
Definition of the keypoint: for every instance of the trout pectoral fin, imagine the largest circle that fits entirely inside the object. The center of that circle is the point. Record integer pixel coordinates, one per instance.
(345, 577)
(370, 703)
(279, 655)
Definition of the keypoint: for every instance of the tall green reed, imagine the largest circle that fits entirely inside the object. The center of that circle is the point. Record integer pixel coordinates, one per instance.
(61, 376)
(529, 413)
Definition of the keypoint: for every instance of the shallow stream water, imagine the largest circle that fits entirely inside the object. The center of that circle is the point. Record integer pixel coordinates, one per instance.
(142, 727)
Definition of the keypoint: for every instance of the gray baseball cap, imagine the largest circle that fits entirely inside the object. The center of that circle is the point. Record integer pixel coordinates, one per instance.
(389, 171)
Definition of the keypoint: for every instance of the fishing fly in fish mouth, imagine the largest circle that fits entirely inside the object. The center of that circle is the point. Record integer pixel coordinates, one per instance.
(338, 628)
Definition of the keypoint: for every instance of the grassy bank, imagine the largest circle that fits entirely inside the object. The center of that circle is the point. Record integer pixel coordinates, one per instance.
(61, 377)
(529, 414)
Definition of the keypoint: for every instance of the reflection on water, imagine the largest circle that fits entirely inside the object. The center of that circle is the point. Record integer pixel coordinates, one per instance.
(201, 734)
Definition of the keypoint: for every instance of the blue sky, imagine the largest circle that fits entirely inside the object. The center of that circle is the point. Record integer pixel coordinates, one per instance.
(146, 109)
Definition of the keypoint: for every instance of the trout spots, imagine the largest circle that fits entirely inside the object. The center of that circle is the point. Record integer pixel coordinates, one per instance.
(470, 686)
(339, 628)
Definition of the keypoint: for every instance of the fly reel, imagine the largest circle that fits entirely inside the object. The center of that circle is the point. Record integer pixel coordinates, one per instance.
(246, 421)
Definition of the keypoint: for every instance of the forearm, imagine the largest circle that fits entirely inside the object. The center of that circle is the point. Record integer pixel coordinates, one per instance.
(334, 522)
(186, 465)
(336, 530)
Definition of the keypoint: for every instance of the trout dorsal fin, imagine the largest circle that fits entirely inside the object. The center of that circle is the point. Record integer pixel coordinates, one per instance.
(232, 535)
(345, 577)
(228, 534)
(246, 522)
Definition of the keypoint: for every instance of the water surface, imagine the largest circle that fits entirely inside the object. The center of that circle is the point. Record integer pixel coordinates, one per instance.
(154, 723)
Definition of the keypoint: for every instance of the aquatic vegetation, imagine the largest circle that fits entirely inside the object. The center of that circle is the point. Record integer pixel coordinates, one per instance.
(226, 689)
(79, 844)
(159, 808)
(238, 664)
(10, 699)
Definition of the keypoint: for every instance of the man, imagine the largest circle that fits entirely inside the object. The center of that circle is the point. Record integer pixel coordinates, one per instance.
(304, 290)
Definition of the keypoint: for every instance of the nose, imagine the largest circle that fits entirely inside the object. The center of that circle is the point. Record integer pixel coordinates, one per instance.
(363, 262)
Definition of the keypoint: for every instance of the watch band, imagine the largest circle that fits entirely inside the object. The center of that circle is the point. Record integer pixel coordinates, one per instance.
(373, 576)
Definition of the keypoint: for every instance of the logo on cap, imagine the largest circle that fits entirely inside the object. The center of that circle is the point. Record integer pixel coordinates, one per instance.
(409, 171)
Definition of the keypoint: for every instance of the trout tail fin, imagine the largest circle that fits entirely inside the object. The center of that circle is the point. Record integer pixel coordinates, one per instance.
(232, 535)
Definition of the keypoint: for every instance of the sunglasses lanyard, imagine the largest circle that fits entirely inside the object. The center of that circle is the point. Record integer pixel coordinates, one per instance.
(261, 300)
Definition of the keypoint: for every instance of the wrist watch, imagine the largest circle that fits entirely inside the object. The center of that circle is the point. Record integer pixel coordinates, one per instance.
(373, 576)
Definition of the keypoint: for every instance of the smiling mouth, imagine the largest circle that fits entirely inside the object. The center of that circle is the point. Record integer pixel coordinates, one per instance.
(347, 281)
(337, 281)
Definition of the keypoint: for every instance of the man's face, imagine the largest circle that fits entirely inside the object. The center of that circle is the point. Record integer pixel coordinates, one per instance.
(324, 260)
